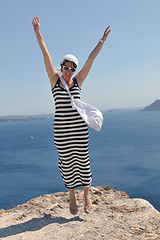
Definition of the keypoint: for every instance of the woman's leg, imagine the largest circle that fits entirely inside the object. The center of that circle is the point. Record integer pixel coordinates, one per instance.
(87, 201)
(73, 205)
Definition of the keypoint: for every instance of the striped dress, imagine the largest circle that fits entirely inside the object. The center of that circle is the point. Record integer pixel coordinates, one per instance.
(71, 138)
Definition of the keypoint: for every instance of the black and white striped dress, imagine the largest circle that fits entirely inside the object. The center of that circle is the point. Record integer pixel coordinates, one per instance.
(71, 138)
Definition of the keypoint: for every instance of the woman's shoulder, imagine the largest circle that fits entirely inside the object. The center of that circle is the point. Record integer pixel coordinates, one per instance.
(55, 84)
(76, 82)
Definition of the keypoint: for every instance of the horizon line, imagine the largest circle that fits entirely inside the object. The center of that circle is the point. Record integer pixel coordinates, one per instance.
(49, 114)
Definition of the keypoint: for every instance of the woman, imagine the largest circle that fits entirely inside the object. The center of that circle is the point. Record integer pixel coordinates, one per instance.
(70, 131)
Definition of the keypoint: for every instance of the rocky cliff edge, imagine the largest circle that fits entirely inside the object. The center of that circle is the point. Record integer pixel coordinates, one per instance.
(114, 216)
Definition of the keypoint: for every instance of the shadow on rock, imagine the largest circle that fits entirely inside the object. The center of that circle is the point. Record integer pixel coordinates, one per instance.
(35, 224)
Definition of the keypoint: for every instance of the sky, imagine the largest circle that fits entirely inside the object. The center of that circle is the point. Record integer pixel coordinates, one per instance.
(125, 74)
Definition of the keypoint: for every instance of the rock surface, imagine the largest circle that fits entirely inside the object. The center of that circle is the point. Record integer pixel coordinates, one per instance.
(114, 216)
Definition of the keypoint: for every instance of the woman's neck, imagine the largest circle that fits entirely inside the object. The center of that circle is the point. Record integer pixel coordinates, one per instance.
(68, 81)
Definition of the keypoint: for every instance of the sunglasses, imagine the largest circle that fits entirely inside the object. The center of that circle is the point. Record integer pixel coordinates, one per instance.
(67, 68)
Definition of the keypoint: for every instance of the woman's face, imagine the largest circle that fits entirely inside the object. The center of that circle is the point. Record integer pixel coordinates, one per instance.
(67, 75)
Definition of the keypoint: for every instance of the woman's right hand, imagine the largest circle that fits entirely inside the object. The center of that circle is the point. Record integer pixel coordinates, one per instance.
(36, 24)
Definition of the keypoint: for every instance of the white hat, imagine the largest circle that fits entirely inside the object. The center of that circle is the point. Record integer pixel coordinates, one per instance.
(70, 58)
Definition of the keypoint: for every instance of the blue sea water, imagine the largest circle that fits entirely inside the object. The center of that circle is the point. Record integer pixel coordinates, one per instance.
(124, 155)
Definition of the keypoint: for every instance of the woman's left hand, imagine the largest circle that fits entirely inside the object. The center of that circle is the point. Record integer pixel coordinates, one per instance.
(36, 24)
(105, 35)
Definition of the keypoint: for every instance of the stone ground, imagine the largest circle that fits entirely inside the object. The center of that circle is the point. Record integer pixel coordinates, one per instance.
(114, 216)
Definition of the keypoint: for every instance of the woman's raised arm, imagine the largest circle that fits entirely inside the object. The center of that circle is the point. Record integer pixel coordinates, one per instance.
(80, 77)
(52, 74)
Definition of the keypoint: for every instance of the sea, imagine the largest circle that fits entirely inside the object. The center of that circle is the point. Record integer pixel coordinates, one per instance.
(124, 155)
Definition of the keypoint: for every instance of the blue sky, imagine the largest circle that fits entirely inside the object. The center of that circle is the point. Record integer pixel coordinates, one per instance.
(125, 74)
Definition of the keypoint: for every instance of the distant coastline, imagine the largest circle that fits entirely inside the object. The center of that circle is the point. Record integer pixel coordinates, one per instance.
(16, 118)
(155, 106)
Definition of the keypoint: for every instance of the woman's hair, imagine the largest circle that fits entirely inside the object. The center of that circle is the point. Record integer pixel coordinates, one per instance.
(74, 65)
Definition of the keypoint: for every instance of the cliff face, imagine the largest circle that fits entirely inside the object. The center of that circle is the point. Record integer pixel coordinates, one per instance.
(114, 217)
(155, 106)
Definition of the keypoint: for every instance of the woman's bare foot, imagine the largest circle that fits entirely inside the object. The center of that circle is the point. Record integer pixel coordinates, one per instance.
(72, 206)
(88, 204)
(87, 201)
